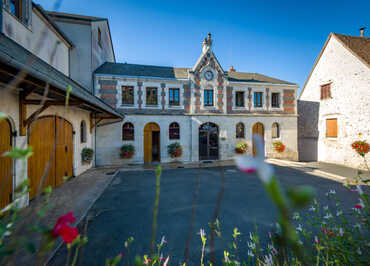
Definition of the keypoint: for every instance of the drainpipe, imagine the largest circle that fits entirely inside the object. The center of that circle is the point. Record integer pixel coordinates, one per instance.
(191, 138)
(1, 16)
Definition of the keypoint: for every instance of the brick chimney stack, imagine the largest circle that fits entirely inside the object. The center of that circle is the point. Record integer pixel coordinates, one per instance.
(362, 31)
(232, 69)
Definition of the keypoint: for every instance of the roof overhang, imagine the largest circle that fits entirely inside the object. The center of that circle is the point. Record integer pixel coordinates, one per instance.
(36, 76)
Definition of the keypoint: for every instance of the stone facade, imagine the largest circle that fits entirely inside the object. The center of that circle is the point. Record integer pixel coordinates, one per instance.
(191, 112)
(349, 103)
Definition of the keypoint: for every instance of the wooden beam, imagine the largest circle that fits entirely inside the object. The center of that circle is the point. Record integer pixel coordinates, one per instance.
(22, 115)
(94, 124)
(38, 102)
(36, 113)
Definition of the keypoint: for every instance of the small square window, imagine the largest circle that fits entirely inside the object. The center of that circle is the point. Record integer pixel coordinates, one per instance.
(239, 99)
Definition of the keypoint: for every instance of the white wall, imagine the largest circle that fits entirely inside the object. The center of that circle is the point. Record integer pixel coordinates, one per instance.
(350, 103)
(29, 38)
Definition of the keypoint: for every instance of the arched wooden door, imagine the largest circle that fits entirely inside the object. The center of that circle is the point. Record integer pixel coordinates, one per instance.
(52, 145)
(6, 164)
(257, 129)
(208, 141)
(152, 144)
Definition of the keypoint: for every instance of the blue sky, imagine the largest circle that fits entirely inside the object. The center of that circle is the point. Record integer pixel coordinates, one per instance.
(277, 38)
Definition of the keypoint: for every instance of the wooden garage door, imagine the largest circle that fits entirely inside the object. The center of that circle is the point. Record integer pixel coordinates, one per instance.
(6, 165)
(52, 144)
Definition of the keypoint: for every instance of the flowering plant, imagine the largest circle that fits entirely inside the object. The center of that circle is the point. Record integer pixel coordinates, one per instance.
(64, 230)
(87, 155)
(278, 146)
(241, 147)
(174, 150)
(127, 151)
(362, 147)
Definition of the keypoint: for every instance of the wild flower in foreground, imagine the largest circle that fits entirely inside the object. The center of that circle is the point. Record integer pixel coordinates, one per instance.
(248, 164)
(62, 228)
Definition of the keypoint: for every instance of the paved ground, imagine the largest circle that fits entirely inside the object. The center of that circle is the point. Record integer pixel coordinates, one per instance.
(125, 209)
(77, 196)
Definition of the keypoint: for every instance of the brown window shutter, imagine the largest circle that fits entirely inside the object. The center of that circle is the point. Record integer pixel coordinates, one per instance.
(332, 128)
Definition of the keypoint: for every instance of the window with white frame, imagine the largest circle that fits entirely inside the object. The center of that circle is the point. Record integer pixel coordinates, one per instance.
(239, 99)
(208, 98)
(258, 99)
(275, 100)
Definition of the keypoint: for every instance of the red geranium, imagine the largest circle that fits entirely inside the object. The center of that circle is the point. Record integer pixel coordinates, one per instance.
(361, 147)
(62, 228)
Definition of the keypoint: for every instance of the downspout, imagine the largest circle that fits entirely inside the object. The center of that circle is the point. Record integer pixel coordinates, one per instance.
(1, 16)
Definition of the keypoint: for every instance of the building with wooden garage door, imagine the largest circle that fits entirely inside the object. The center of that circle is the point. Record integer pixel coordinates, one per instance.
(35, 78)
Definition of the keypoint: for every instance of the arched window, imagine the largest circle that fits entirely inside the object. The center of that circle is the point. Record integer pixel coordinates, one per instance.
(240, 131)
(128, 131)
(275, 131)
(174, 131)
(83, 131)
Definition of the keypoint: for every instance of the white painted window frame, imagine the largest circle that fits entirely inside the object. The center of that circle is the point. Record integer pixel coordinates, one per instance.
(281, 107)
(263, 108)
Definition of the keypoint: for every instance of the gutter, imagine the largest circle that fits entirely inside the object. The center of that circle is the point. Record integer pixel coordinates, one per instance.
(138, 77)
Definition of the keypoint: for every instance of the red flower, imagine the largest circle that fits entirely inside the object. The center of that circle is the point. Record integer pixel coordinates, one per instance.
(358, 206)
(62, 228)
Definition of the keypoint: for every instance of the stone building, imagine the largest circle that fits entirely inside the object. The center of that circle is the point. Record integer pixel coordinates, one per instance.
(36, 56)
(204, 108)
(334, 105)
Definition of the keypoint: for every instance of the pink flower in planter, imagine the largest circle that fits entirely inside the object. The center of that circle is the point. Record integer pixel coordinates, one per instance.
(248, 164)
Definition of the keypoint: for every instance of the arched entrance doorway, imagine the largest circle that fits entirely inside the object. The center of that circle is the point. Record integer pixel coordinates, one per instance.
(152, 143)
(51, 139)
(258, 129)
(208, 141)
(6, 164)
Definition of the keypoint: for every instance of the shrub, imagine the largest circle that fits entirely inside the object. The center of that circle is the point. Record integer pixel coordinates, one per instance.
(174, 150)
(241, 148)
(127, 151)
(87, 155)
(361, 147)
(278, 146)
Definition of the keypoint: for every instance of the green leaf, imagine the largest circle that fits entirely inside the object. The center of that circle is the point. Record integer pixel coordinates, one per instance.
(301, 196)
(30, 247)
(18, 153)
(69, 89)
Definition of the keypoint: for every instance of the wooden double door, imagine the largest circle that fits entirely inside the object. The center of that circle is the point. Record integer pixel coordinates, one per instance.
(6, 164)
(152, 143)
(259, 130)
(208, 142)
(51, 138)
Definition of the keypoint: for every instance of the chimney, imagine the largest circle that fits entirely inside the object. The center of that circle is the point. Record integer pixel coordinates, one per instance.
(232, 69)
(362, 31)
(207, 43)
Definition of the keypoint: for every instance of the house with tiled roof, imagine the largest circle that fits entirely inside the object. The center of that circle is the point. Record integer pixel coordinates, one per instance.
(37, 70)
(334, 105)
(204, 108)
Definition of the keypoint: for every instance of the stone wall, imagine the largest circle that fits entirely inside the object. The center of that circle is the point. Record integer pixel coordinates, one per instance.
(110, 136)
(349, 103)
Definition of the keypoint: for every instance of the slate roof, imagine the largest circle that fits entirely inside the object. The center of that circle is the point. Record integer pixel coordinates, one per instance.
(360, 46)
(165, 72)
(73, 16)
(142, 70)
(254, 77)
(11, 53)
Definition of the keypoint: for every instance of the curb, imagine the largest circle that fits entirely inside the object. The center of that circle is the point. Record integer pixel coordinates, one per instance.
(84, 214)
(301, 166)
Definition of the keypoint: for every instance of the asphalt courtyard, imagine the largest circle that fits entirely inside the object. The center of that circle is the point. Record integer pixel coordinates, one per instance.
(125, 209)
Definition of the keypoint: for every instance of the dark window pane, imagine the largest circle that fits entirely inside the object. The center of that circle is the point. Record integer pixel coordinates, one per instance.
(128, 131)
(151, 96)
(127, 95)
(174, 131)
(240, 132)
(174, 97)
(239, 101)
(208, 97)
(275, 100)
